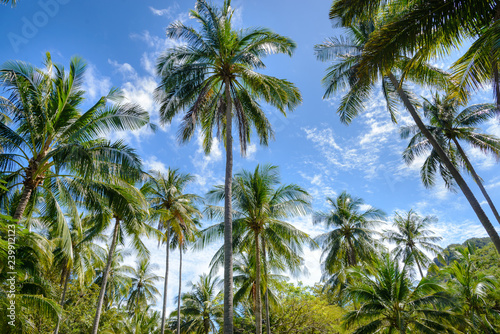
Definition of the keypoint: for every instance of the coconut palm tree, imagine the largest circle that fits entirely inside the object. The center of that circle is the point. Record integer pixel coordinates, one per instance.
(172, 208)
(412, 237)
(201, 306)
(352, 239)
(180, 239)
(214, 79)
(50, 137)
(427, 29)
(360, 74)
(449, 127)
(470, 289)
(261, 204)
(390, 303)
(128, 208)
(142, 289)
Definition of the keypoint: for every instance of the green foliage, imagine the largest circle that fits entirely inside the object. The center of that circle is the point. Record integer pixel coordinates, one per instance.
(305, 310)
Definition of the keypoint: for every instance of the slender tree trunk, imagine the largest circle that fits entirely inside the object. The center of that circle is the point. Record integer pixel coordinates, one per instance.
(478, 180)
(419, 268)
(228, 219)
(105, 275)
(258, 302)
(266, 296)
(494, 66)
(165, 285)
(454, 172)
(352, 253)
(179, 295)
(63, 297)
(23, 202)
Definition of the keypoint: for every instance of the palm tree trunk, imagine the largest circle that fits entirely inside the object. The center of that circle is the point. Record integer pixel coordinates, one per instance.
(23, 203)
(266, 296)
(258, 303)
(164, 310)
(180, 288)
(228, 223)
(419, 268)
(352, 253)
(105, 275)
(63, 297)
(454, 172)
(478, 180)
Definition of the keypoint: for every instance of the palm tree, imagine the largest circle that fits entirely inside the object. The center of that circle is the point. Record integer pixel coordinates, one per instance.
(361, 73)
(173, 209)
(449, 126)
(428, 29)
(213, 78)
(259, 202)
(412, 237)
(142, 290)
(390, 303)
(201, 307)
(470, 289)
(50, 137)
(352, 240)
(181, 239)
(128, 208)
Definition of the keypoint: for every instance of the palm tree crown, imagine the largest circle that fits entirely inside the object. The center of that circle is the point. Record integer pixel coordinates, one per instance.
(412, 238)
(390, 302)
(352, 239)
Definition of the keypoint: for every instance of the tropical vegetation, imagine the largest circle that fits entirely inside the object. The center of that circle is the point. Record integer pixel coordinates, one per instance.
(83, 219)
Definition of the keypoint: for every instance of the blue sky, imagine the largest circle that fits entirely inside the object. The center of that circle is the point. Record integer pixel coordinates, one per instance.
(120, 41)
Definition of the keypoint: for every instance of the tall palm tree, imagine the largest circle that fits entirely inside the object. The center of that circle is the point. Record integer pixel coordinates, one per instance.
(449, 127)
(142, 289)
(259, 203)
(470, 289)
(427, 29)
(412, 237)
(128, 208)
(50, 137)
(201, 307)
(213, 79)
(187, 234)
(352, 239)
(390, 303)
(173, 209)
(362, 73)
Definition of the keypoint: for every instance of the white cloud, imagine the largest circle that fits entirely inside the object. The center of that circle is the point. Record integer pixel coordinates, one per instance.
(95, 84)
(168, 12)
(251, 151)
(152, 163)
